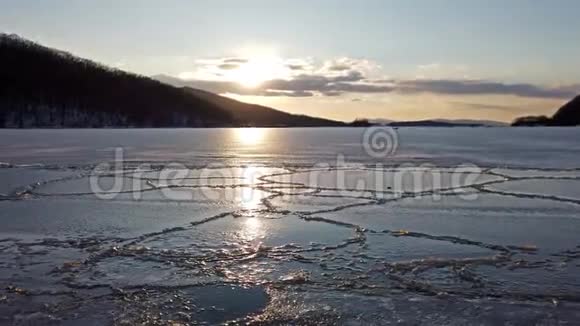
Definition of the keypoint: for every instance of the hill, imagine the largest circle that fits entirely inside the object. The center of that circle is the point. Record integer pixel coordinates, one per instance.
(567, 115)
(252, 114)
(440, 123)
(45, 87)
(445, 123)
(472, 122)
(430, 123)
(257, 115)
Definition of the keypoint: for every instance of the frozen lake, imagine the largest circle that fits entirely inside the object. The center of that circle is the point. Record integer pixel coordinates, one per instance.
(451, 226)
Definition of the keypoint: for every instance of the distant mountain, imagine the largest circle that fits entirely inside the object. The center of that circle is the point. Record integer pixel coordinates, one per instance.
(483, 123)
(430, 123)
(567, 115)
(440, 123)
(380, 121)
(532, 121)
(45, 87)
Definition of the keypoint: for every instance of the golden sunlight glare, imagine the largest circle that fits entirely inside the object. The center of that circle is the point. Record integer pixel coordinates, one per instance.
(257, 70)
(250, 136)
(252, 229)
(250, 197)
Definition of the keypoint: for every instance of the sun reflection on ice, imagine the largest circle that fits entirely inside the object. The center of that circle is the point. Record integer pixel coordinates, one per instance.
(252, 229)
(250, 201)
(250, 136)
(250, 198)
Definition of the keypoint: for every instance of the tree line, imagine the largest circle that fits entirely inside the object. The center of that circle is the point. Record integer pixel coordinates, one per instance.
(44, 87)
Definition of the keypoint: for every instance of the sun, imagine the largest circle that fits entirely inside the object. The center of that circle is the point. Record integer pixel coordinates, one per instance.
(257, 70)
(251, 74)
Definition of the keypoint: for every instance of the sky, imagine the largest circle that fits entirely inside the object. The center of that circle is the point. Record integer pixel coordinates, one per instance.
(395, 60)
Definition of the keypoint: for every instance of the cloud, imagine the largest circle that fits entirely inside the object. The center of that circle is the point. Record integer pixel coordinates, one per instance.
(482, 87)
(235, 60)
(228, 66)
(355, 82)
(295, 66)
(289, 93)
(481, 106)
(306, 77)
(219, 64)
(339, 67)
(223, 87)
(348, 64)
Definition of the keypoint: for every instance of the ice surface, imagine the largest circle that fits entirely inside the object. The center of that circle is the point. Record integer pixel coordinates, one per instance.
(247, 174)
(198, 227)
(317, 201)
(93, 185)
(528, 173)
(18, 179)
(565, 189)
(494, 147)
(545, 224)
(397, 181)
(79, 217)
(271, 232)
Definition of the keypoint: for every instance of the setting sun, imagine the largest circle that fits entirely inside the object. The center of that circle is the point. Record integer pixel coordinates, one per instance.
(257, 70)
(290, 162)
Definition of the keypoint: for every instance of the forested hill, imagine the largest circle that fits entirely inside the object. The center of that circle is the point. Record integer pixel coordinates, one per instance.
(44, 87)
(257, 115)
(567, 115)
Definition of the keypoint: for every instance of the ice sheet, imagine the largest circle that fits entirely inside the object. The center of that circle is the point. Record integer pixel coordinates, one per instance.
(17, 179)
(565, 189)
(247, 235)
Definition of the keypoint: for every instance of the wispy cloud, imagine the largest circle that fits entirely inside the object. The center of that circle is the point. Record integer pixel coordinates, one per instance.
(234, 60)
(482, 106)
(295, 66)
(309, 85)
(228, 66)
(347, 75)
(483, 87)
